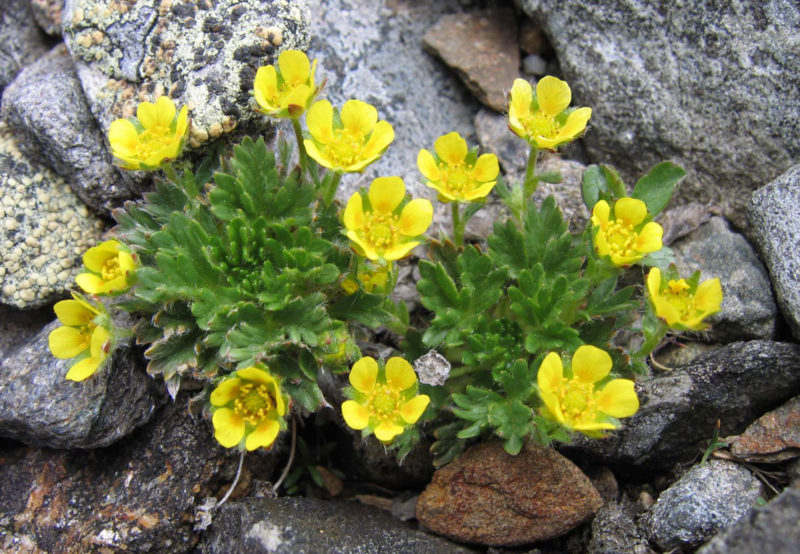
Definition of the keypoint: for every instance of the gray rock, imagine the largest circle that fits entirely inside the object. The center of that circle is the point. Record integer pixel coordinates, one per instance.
(45, 105)
(678, 411)
(306, 525)
(203, 54)
(681, 220)
(708, 499)
(774, 215)
(48, 15)
(685, 81)
(534, 64)
(44, 229)
(775, 528)
(39, 407)
(371, 50)
(22, 42)
(615, 531)
(748, 309)
(17, 327)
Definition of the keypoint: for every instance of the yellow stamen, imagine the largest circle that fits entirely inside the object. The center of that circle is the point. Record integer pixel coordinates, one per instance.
(380, 230)
(254, 403)
(383, 402)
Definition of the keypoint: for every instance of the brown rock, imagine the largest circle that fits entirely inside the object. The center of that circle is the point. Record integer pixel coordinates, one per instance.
(775, 436)
(482, 48)
(489, 497)
(532, 39)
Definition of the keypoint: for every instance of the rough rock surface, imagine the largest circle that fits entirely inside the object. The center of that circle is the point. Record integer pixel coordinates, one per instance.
(489, 497)
(708, 499)
(371, 50)
(614, 531)
(482, 47)
(17, 327)
(748, 309)
(774, 215)
(22, 42)
(45, 105)
(48, 15)
(44, 229)
(684, 81)
(40, 407)
(772, 435)
(775, 528)
(203, 54)
(306, 526)
(678, 411)
(136, 496)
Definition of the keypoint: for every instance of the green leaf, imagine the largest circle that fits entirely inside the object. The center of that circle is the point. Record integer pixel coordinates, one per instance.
(656, 188)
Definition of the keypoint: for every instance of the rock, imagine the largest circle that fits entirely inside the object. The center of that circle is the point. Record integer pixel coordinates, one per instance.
(681, 220)
(773, 436)
(48, 15)
(487, 496)
(495, 137)
(203, 54)
(773, 528)
(482, 48)
(22, 43)
(682, 353)
(685, 83)
(44, 229)
(534, 64)
(307, 525)
(370, 50)
(678, 411)
(531, 38)
(17, 327)
(45, 105)
(137, 496)
(604, 481)
(39, 407)
(710, 498)
(774, 215)
(748, 310)
(614, 531)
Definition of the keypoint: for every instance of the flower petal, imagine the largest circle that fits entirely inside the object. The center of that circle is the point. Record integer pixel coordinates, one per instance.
(412, 410)
(98, 346)
(650, 238)
(96, 257)
(399, 251)
(354, 213)
(73, 313)
(381, 137)
(551, 404)
(165, 110)
(67, 342)
(553, 95)
(228, 427)
(256, 375)
(123, 138)
(654, 283)
(225, 392)
(363, 374)
(576, 123)
(427, 165)
(385, 432)
(618, 398)
(519, 107)
(550, 375)
(83, 369)
(263, 435)
(600, 213)
(319, 121)
(182, 124)
(147, 114)
(451, 148)
(265, 87)
(594, 426)
(590, 364)
(416, 217)
(399, 374)
(630, 210)
(386, 193)
(708, 296)
(359, 117)
(294, 66)
(355, 415)
(486, 168)
(480, 191)
(315, 154)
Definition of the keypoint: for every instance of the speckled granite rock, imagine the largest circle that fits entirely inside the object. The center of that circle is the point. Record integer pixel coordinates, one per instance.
(44, 229)
(774, 215)
(22, 42)
(203, 54)
(748, 310)
(710, 498)
(45, 105)
(615, 531)
(40, 407)
(685, 81)
(308, 526)
(48, 15)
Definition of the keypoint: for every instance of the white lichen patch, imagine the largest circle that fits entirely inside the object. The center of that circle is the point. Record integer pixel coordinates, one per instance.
(44, 229)
(269, 536)
(203, 54)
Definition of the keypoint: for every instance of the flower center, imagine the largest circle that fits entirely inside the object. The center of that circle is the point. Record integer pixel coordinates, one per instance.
(152, 140)
(380, 230)
(111, 269)
(577, 401)
(677, 294)
(383, 402)
(621, 238)
(345, 147)
(456, 178)
(254, 403)
(540, 125)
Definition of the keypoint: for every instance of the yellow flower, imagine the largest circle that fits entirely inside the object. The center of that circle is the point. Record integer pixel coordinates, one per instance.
(544, 119)
(623, 238)
(574, 402)
(454, 173)
(348, 143)
(248, 405)
(380, 232)
(109, 267)
(79, 335)
(155, 137)
(288, 91)
(385, 401)
(368, 279)
(681, 304)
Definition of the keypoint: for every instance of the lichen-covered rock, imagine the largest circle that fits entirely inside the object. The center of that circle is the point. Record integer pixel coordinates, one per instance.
(22, 42)
(774, 215)
(44, 229)
(489, 497)
(45, 105)
(39, 407)
(203, 54)
(679, 410)
(748, 310)
(615, 531)
(482, 47)
(708, 499)
(684, 81)
(48, 15)
(308, 526)
(773, 436)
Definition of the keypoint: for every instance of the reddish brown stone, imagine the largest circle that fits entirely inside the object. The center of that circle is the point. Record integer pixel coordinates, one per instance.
(482, 48)
(774, 436)
(492, 498)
